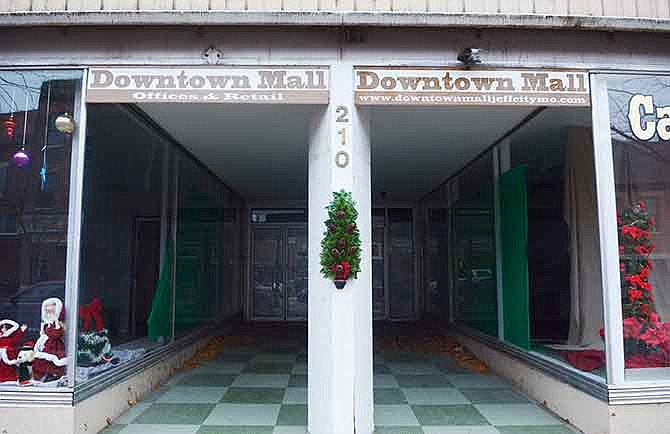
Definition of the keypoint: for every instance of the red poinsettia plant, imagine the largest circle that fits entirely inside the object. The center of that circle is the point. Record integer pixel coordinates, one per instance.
(646, 338)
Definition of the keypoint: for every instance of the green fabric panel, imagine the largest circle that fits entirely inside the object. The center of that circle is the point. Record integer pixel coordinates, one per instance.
(514, 231)
(159, 319)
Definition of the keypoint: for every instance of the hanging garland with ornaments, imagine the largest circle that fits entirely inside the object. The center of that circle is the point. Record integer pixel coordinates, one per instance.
(341, 244)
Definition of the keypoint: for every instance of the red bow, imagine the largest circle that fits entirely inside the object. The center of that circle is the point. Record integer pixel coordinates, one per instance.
(342, 270)
(92, 312)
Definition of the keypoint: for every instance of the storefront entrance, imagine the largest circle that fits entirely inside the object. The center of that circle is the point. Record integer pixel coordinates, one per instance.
(279, 277)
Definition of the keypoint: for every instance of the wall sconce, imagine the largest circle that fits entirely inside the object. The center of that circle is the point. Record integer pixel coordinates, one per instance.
(470, 56)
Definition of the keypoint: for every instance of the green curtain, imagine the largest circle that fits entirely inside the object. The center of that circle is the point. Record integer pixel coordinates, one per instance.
(514, 231)
(161, 306)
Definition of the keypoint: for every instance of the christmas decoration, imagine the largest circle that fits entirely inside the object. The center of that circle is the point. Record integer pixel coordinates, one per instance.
(10, 336)
(340, 255)
(94, 346)
(21, 158)
(646, 338)
(10, 126)
(50, 359)
(24, 362)
(65, 123)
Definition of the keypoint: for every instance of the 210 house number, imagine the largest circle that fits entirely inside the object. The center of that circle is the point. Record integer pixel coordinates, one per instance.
(342, 113)
(342, 117)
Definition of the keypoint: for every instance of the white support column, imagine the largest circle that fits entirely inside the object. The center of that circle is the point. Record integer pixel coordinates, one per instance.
(339, 321)
(609, 238)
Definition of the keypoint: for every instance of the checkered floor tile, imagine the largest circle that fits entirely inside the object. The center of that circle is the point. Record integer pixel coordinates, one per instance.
(261, 390)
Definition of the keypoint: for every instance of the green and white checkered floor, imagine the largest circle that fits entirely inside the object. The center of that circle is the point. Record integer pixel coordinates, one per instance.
(262, 389)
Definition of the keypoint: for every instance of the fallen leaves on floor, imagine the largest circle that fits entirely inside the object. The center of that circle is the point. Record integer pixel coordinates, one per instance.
(434, 345)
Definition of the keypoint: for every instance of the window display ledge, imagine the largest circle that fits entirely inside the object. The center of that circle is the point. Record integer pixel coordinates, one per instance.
(17, 396)
(640, 393)
(583, 381)
(115, 376)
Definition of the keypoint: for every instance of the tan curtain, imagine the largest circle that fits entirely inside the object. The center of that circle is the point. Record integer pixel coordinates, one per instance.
(581, 215)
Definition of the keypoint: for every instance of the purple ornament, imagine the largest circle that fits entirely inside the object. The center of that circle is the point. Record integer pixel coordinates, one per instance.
(21, 158)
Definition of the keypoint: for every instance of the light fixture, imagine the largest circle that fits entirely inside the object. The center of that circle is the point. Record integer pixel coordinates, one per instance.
(470, 56)
(65, 123)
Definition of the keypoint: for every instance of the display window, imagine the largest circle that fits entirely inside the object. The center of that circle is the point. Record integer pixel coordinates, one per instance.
(36, 137)
(639, 113)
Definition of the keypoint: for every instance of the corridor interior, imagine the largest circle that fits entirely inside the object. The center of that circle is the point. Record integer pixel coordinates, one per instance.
(238, 212)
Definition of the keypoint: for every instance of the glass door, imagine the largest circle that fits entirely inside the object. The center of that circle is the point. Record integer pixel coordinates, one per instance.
(401, 263)
(280, 272)
(296, 273)
(378, 268)
(268, 287)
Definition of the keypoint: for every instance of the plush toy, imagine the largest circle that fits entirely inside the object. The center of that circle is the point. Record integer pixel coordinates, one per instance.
(24, 362)
(10, 336)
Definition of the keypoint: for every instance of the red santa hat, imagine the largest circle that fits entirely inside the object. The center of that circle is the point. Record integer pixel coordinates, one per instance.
(13, 326)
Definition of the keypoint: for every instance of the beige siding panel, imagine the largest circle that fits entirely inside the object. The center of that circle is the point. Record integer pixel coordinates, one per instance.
(48, 5)
(191, 5)
(236, 5)
(264, 5)
(585, 7)
(652, 8)
(382, 5)
(516, 6)
(119, 4)
(217, 5)
(162, 5)
(300, 5)
(365, 5)
(551, 7)
(4, 6)
(84, 5)
(620, 8)
(436, 5)
(455, 6)
(481, 6)
(345, 5)
(409, 5)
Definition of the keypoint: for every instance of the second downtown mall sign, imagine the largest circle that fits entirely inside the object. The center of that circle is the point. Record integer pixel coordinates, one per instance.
(374, 86)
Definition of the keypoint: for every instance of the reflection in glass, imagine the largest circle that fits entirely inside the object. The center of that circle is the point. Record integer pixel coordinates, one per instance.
(34, 190)
(639, 117)
(120, 272)
(475, 294)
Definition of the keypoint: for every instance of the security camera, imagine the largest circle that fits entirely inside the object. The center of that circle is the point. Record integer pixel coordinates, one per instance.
(470, 56)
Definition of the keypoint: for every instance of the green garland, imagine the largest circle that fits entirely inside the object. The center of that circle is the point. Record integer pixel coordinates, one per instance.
(341, 244)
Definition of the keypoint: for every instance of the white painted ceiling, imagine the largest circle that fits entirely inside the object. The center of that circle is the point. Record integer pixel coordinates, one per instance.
(261, 151)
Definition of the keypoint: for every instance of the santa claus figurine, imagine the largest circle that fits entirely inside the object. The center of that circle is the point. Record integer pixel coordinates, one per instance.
(50, 360)
(10, 336)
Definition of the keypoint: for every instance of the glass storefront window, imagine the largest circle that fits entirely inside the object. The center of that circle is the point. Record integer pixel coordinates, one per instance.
(474, 255)
(639, 107)
(565, 316)
(199, 261)
(125, 292)
(34, 201)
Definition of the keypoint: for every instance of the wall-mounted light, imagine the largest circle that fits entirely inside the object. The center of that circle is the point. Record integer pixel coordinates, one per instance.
(470, 56)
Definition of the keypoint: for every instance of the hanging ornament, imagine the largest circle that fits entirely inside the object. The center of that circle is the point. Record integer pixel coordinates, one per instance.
(21, 158)
(43, 169)
(341, 244)
(65, 123)
(10, 126)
